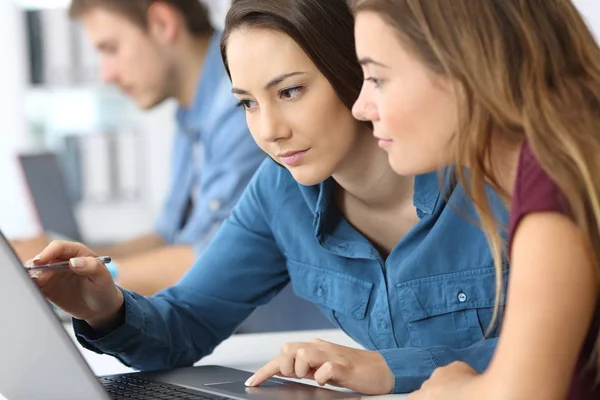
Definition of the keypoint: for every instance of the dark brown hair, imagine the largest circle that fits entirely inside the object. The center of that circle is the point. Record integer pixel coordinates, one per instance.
(195, 14)
(323, 29)
(527, 70)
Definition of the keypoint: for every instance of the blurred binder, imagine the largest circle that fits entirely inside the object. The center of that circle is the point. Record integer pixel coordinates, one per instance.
(57, 31)
(35, 46)
(96, 169)
(129, 164)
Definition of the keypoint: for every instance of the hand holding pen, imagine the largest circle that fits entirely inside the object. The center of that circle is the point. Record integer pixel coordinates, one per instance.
(88, 292)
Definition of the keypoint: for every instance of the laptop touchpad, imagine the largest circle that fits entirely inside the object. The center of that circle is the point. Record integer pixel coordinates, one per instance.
(280, 390)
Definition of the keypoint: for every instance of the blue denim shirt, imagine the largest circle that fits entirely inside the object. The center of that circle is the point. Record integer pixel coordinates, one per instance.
(213, 159)
(428, 304)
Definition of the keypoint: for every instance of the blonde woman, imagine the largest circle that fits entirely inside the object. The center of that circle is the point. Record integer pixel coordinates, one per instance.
(511, 90)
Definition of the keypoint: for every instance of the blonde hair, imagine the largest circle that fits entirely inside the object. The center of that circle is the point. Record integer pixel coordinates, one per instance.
(528, 69)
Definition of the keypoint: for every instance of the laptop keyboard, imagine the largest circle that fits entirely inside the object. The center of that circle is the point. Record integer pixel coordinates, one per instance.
(136, 388)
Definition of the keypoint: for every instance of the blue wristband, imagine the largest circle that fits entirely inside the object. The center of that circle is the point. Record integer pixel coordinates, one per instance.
(113, 268)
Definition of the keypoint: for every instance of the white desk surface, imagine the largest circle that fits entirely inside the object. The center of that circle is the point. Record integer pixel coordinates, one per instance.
(246, 352)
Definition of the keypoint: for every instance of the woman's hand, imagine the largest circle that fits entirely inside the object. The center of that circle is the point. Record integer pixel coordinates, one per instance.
(362, 371)
(85, 290)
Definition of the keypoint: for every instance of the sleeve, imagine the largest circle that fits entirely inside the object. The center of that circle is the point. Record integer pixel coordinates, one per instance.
(243, 268)
(412, 366)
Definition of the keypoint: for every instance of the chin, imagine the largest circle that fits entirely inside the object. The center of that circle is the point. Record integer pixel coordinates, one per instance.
(308, 175)
(147, 103)
(405, 167)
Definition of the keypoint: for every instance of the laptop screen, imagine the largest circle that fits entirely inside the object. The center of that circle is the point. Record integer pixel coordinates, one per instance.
(49, 192)
(39, 359)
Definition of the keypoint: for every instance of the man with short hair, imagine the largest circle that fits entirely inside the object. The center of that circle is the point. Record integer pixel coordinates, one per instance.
(155, 50)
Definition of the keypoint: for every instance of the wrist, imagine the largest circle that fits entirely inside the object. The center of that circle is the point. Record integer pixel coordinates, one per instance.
(113, 318)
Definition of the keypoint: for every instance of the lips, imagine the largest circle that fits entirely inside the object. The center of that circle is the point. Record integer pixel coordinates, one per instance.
(293, 158)
(383, 142)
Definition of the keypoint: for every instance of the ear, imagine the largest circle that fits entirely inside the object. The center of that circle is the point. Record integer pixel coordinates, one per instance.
(164, 22)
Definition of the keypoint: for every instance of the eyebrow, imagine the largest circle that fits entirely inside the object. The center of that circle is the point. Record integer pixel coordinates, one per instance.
(369, 60)
(273, 82)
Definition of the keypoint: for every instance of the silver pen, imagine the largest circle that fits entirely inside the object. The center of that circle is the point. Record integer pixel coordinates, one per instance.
(60, 265)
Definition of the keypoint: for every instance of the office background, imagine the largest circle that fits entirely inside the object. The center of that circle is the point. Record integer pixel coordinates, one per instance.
(52, 99)
(59, 104)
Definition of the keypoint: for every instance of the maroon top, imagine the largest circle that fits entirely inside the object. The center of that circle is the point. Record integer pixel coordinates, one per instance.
(535, 191)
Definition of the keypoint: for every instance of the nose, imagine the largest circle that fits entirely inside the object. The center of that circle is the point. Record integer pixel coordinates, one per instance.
(108, 71)
(273, 127)
(364, 108)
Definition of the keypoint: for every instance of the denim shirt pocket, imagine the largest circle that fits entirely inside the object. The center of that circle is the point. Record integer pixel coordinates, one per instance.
(343, 298)
(453, 309)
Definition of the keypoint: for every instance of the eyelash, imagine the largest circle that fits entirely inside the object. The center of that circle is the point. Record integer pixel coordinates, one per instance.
(375, 81)
(246, 104)
(296, 89)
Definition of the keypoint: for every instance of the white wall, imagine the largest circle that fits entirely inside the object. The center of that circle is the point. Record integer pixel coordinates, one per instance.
(218, 9)
(16, 218)
(591, 11)
(98, 222)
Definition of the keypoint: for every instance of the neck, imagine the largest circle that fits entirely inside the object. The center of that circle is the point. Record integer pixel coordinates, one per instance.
(505, 163)
(189, 69)
(367, 177)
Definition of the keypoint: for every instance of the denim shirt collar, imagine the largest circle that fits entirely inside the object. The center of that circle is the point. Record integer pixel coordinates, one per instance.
(212, 70)
(427, 192)
(425, 198)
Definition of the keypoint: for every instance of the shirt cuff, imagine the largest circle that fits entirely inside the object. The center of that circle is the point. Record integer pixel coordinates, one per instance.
(117, 340)
(410, 366)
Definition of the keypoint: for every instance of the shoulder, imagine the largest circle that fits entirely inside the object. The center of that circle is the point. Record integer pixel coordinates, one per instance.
(534, 190)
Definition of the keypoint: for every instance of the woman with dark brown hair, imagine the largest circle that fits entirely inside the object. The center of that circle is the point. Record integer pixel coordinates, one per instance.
(383, 256)
(511, 90)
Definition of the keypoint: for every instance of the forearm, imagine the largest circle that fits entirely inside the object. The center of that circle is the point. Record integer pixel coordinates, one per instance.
(156, 270)
(242, 269)
(158, 333)
(181, 324)
(130, 248)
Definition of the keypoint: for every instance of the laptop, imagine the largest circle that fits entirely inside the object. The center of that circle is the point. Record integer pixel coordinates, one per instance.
(50, 194)
(40, 361)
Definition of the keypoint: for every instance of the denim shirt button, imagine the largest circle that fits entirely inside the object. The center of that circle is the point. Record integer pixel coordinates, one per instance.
(320, 291)
(462, 297)
(214, 205)
(384, 324)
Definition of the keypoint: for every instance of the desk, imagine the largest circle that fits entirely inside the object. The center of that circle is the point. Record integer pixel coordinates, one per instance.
(246, 352)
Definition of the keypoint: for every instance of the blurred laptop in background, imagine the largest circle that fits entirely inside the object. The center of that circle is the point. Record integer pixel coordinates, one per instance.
(49, 192)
